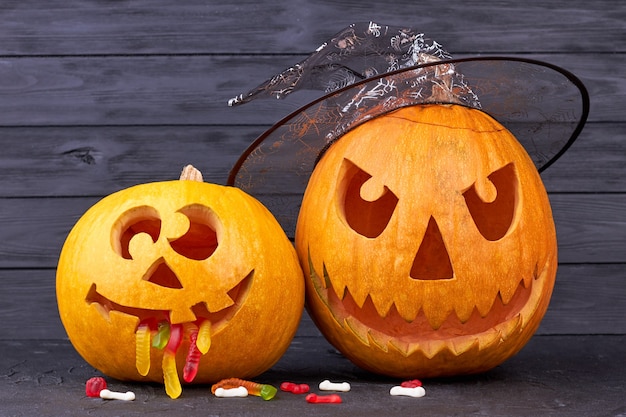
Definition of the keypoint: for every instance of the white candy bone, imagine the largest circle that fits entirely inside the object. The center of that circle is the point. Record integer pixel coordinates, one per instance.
(326, 385)
(408, 392)
(112, 395)
(231, 392)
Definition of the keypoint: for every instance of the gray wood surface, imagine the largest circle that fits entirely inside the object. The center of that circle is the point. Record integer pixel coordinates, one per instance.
(97, 96)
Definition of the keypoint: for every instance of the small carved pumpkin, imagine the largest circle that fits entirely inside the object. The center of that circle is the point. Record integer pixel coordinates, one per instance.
(428, 241)
(184, 254)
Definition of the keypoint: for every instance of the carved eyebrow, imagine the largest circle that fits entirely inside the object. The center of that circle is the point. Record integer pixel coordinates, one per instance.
(367, 218)
(494, 219)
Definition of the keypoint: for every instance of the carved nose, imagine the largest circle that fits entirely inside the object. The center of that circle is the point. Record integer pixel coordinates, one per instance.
(432, 260)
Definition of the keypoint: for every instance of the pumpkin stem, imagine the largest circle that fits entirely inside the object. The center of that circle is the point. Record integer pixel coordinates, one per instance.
(191, 173)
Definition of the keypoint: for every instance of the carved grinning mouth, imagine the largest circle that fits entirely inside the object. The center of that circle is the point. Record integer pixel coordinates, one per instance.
(218, 319)
(394, 332)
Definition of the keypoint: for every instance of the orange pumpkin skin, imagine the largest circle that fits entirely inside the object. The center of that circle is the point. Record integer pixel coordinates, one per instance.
(125, 261)
(429, 244)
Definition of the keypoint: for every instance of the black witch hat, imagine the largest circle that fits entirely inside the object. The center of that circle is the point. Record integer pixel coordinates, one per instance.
(368, 70)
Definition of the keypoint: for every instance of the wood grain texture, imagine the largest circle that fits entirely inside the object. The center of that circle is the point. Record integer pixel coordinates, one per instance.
(72, 27)
(97, 96)
(98, 160)
(183, 90)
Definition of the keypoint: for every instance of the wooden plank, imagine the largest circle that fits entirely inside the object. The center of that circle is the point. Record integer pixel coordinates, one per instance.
(583, 302)
(94, 161)
(58, 27)
(183, 90)
(590, 228)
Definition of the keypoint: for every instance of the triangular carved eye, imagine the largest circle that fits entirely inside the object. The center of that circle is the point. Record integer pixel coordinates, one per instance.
(367, 218)
(494, 219)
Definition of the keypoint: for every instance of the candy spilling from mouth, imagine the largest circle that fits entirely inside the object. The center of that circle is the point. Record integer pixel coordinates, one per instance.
(169, 337)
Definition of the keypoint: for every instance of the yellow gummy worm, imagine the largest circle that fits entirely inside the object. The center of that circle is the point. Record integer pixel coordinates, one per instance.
(142, 349)
(170, 375)
(204, 337)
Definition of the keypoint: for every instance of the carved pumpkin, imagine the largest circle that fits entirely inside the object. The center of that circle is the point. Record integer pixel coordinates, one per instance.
(428, 241)
(180, 253)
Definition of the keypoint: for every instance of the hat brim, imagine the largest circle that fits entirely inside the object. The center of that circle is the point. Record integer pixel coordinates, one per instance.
(544, 106)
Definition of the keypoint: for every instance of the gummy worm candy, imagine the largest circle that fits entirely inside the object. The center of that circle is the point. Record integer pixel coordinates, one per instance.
(193, 357)
(294, 388)
(142, 349)
(162, 335)
(265, 391)
(204, 336)
(170, 374)
(319, 399)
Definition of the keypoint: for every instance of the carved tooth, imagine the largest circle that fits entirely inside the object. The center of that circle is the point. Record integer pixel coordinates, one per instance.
(510, 327)
(378, 339)
(463, 344)
(382, 308)
(358, 328)
(484, 308)
(489, 338)
(436, 317)
(432, 347)
(404, 348)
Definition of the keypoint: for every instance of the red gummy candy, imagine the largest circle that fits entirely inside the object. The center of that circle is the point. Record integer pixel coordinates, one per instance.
(287, 386)
(300, 389)
(414, 383)
(320, 399)
(294, 388)
(94, 385)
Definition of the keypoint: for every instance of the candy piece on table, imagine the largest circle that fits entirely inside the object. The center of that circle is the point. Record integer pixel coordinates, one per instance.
(294, 388)
(231, 392)
(415, 392)
(323, 399)
(112, 395)
(193, 357)
(142, 349)
(411, 384)
(94, 385)
(265, 391)
(204, 336)
(326, 385)
(162, 335)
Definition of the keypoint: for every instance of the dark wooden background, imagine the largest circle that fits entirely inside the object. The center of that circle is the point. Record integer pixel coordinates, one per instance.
(96, 96)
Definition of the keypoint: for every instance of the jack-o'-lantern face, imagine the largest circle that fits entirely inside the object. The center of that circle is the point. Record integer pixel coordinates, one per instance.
(189, 255)
(429, 243)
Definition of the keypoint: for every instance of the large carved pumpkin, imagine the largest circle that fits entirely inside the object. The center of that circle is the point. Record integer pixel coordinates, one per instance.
(187, 255)
(429, 244)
